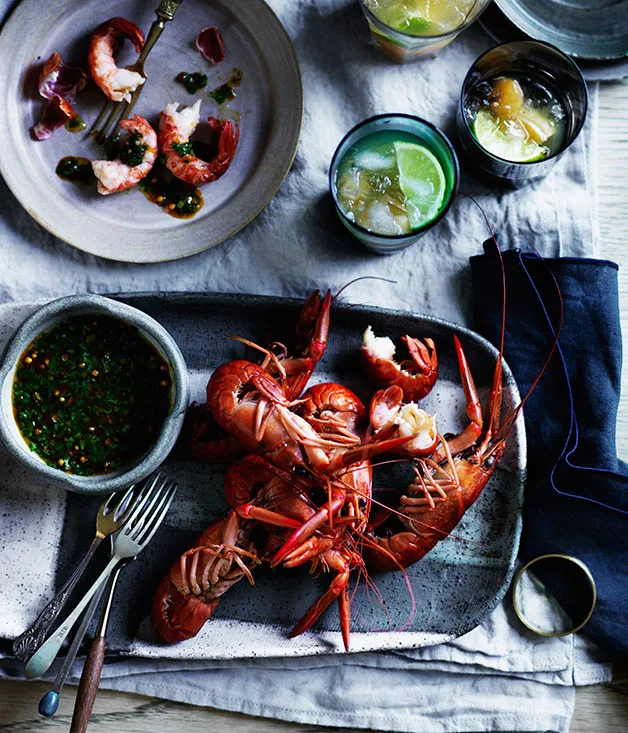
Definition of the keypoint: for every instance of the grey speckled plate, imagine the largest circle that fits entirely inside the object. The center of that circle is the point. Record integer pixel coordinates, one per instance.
(455, 586)
(126, 226)
(587, 29)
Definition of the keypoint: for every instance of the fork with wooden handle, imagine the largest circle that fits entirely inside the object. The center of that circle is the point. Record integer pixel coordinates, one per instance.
(90, 677)
(113, 112)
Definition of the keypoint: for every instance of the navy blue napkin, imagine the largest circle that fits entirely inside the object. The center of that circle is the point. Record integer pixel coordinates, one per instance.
(576, 500)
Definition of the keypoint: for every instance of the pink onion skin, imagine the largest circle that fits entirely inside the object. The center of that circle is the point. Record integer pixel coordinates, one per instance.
(209, 42)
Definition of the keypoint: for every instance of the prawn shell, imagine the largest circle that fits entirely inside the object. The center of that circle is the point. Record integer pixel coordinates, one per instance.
(209, 42)
(59, 83)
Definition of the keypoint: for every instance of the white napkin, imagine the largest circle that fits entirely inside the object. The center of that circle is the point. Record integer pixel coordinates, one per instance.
(497, 677)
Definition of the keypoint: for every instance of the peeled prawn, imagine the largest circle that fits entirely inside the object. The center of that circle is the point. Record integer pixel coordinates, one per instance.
(114, 175)
(118, 84)
(175, 129)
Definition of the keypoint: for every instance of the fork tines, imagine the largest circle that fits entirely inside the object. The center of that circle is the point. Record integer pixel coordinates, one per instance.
(113, 112)
(111, 116)
(120, 503)
(149, 512)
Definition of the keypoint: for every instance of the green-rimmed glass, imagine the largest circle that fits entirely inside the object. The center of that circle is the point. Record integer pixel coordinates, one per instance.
(427, 135)
(403, 46)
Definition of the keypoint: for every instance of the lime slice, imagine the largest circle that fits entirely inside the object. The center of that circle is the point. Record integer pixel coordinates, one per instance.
(495, 138)
(407, 17)
(422, 182)
(414, 26)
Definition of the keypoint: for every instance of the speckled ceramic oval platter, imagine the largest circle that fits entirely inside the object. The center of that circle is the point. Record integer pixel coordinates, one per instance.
(587, 29)
(126, 226)
(455, 586)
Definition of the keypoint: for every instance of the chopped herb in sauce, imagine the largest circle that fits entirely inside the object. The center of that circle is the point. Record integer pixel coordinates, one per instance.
(183, 149)
(179, 199)
(90, 395)
(75, 124)
(226, 92)
(130, 151)
(112, 147)
(75, 170)
(192, 82)
(236, 78)
(223, 94)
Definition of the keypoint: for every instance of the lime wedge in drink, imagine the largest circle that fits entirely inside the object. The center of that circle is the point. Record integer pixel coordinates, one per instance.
(499, 141)
(414, 26)
(422, 182)
(407, 16)
(422, 17)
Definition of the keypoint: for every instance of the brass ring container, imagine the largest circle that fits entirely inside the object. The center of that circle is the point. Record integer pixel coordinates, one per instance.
(522, 617)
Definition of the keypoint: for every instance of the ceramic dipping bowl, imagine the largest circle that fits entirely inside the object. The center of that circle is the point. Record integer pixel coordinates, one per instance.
(80, 305)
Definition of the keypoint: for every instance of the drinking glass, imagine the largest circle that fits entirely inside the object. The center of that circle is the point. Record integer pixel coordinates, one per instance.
(540, 62)
(562, 611)
(404, 47)
(427, 135)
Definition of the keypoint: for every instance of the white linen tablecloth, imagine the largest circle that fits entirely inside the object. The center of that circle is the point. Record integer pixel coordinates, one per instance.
(498, 677)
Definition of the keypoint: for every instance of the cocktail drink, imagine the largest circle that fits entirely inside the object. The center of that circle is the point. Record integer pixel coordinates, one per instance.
(409, 29)
(389, 183)
(393, 178)
(522, 105)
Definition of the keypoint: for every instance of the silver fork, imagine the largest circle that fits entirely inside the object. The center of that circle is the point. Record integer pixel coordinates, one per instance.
(113, 112)
(128, 542)
(111, 516)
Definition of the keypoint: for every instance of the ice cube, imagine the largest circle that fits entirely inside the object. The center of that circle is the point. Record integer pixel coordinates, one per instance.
(381, 220)
(372, 161)
(348, 184)
(403, 223)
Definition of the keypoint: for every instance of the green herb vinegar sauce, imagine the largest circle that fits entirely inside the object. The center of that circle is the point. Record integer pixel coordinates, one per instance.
(90, 395)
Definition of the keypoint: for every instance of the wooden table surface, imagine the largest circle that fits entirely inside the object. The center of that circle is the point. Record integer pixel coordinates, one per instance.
(602, 709)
